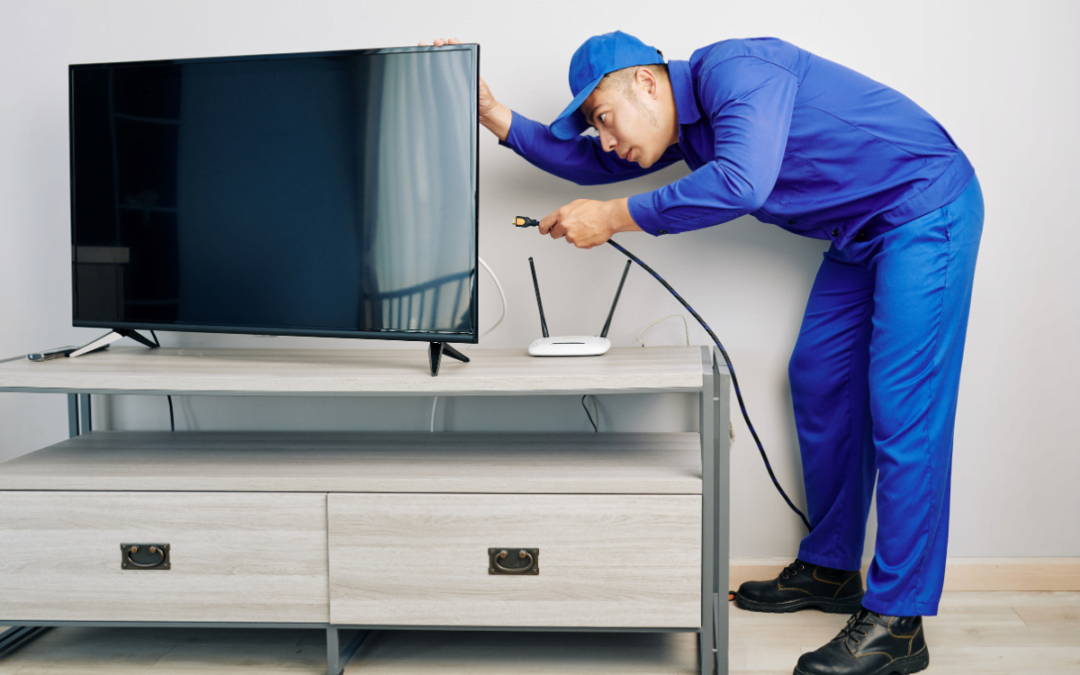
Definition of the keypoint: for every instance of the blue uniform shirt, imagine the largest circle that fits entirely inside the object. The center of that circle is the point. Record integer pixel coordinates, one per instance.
(774, 131)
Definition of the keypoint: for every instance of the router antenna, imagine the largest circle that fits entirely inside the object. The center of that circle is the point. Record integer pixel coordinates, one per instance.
(540, 305)
(607, 324)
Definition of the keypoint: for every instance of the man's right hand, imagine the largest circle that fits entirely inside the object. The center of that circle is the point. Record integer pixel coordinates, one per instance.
(492, 114)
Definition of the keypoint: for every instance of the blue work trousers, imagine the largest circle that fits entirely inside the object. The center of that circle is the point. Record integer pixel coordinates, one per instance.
(874, 380)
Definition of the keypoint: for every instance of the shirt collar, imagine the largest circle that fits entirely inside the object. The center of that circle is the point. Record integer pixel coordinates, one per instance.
(682, 86)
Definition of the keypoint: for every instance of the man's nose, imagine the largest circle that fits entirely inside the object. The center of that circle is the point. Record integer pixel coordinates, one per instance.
(607, 141)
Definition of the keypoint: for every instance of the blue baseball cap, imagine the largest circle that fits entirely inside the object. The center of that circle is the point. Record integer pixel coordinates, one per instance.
(600, 55)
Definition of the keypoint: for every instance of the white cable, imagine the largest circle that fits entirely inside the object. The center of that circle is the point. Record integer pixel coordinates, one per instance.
(669, 316)
(502, 297)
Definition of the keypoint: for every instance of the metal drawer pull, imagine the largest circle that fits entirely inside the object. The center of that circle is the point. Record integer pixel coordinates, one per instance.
(128, 560)
(530, 555)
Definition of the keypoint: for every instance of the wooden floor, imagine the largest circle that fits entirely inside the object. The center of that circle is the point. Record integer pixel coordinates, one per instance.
(975, 632)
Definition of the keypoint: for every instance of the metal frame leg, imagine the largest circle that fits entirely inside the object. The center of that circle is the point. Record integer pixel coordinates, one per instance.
(714, 416)
(707, 429)
(73, 415)
(333, 653)
(80, 420)
(722, 521)
(17, 637)
(337, 658)
(85, 420)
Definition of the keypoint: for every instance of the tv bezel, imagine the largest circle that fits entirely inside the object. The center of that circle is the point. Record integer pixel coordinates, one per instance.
(396, 334)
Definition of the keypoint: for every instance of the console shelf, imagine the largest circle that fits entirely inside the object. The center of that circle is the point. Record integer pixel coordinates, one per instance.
(371, 530)
(246, 461)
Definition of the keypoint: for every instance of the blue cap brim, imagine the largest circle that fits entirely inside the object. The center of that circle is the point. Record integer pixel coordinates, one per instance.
(571, 122)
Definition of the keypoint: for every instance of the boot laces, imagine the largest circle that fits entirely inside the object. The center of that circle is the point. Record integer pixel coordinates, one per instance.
(855, 624)
(793, 569)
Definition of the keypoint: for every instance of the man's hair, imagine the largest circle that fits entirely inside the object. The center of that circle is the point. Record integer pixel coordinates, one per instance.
(624, 78)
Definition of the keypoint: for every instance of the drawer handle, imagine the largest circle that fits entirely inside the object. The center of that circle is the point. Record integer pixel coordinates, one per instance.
(528, 555)
(161, 550)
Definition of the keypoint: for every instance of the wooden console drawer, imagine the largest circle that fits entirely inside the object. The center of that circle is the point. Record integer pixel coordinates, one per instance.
(604, 560)
(251, 557)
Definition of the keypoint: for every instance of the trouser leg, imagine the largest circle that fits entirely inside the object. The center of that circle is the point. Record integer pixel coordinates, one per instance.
(829, 390)
(924, 271)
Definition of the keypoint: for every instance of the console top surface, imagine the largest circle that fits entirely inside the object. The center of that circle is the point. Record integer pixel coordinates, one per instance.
(358, 372)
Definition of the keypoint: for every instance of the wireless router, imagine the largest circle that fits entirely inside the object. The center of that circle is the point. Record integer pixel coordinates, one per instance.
(572, 345)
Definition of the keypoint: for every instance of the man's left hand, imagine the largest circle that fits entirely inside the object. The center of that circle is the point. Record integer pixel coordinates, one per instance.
(587, 223)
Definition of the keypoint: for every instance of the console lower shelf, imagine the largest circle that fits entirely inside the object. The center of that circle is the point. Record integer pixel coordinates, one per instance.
(297, 461)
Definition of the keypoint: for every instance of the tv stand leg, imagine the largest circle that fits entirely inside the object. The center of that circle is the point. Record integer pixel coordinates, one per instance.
(336, 657)
(106, 340)
(436, 351)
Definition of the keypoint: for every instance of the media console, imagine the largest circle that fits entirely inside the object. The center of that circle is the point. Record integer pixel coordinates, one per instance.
(370, 530)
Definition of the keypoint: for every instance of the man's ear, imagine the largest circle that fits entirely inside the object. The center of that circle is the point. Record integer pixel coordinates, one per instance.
(647, 79)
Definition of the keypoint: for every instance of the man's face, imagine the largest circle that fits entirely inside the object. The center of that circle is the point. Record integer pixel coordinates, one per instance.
(631, 123)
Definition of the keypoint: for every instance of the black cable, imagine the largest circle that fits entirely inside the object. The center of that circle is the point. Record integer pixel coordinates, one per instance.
(594, 427)
(734, 379)
(525, 221)
(172, 420)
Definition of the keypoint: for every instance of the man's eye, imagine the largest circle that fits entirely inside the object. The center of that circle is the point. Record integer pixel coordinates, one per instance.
(601, 117)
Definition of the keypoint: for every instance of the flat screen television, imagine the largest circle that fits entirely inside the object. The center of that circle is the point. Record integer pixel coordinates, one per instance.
(319, 194)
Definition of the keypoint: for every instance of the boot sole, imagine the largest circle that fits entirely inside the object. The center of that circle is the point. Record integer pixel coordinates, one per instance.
(832, 606)
(904, 665)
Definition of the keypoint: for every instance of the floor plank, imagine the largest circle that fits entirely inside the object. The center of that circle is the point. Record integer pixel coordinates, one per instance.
(1007, 633)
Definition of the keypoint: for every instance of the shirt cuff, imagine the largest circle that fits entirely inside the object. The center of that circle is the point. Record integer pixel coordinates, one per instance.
(645, 214)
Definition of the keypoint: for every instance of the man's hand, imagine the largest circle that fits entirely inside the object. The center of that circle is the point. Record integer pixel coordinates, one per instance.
(492, 114)
(587, 223)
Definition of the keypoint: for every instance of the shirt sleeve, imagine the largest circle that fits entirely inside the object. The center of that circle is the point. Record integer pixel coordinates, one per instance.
(579, 159)
(749, 103)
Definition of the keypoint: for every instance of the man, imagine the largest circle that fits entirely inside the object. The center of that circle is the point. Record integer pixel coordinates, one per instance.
(798, 141)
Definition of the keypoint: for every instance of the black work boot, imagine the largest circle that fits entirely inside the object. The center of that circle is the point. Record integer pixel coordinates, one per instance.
(802, 585)
(871, 644)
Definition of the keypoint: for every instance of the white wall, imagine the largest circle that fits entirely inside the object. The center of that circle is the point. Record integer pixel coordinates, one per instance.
(1001, 77)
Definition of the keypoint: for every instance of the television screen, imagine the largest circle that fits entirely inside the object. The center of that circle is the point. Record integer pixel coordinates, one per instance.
(330, 194)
